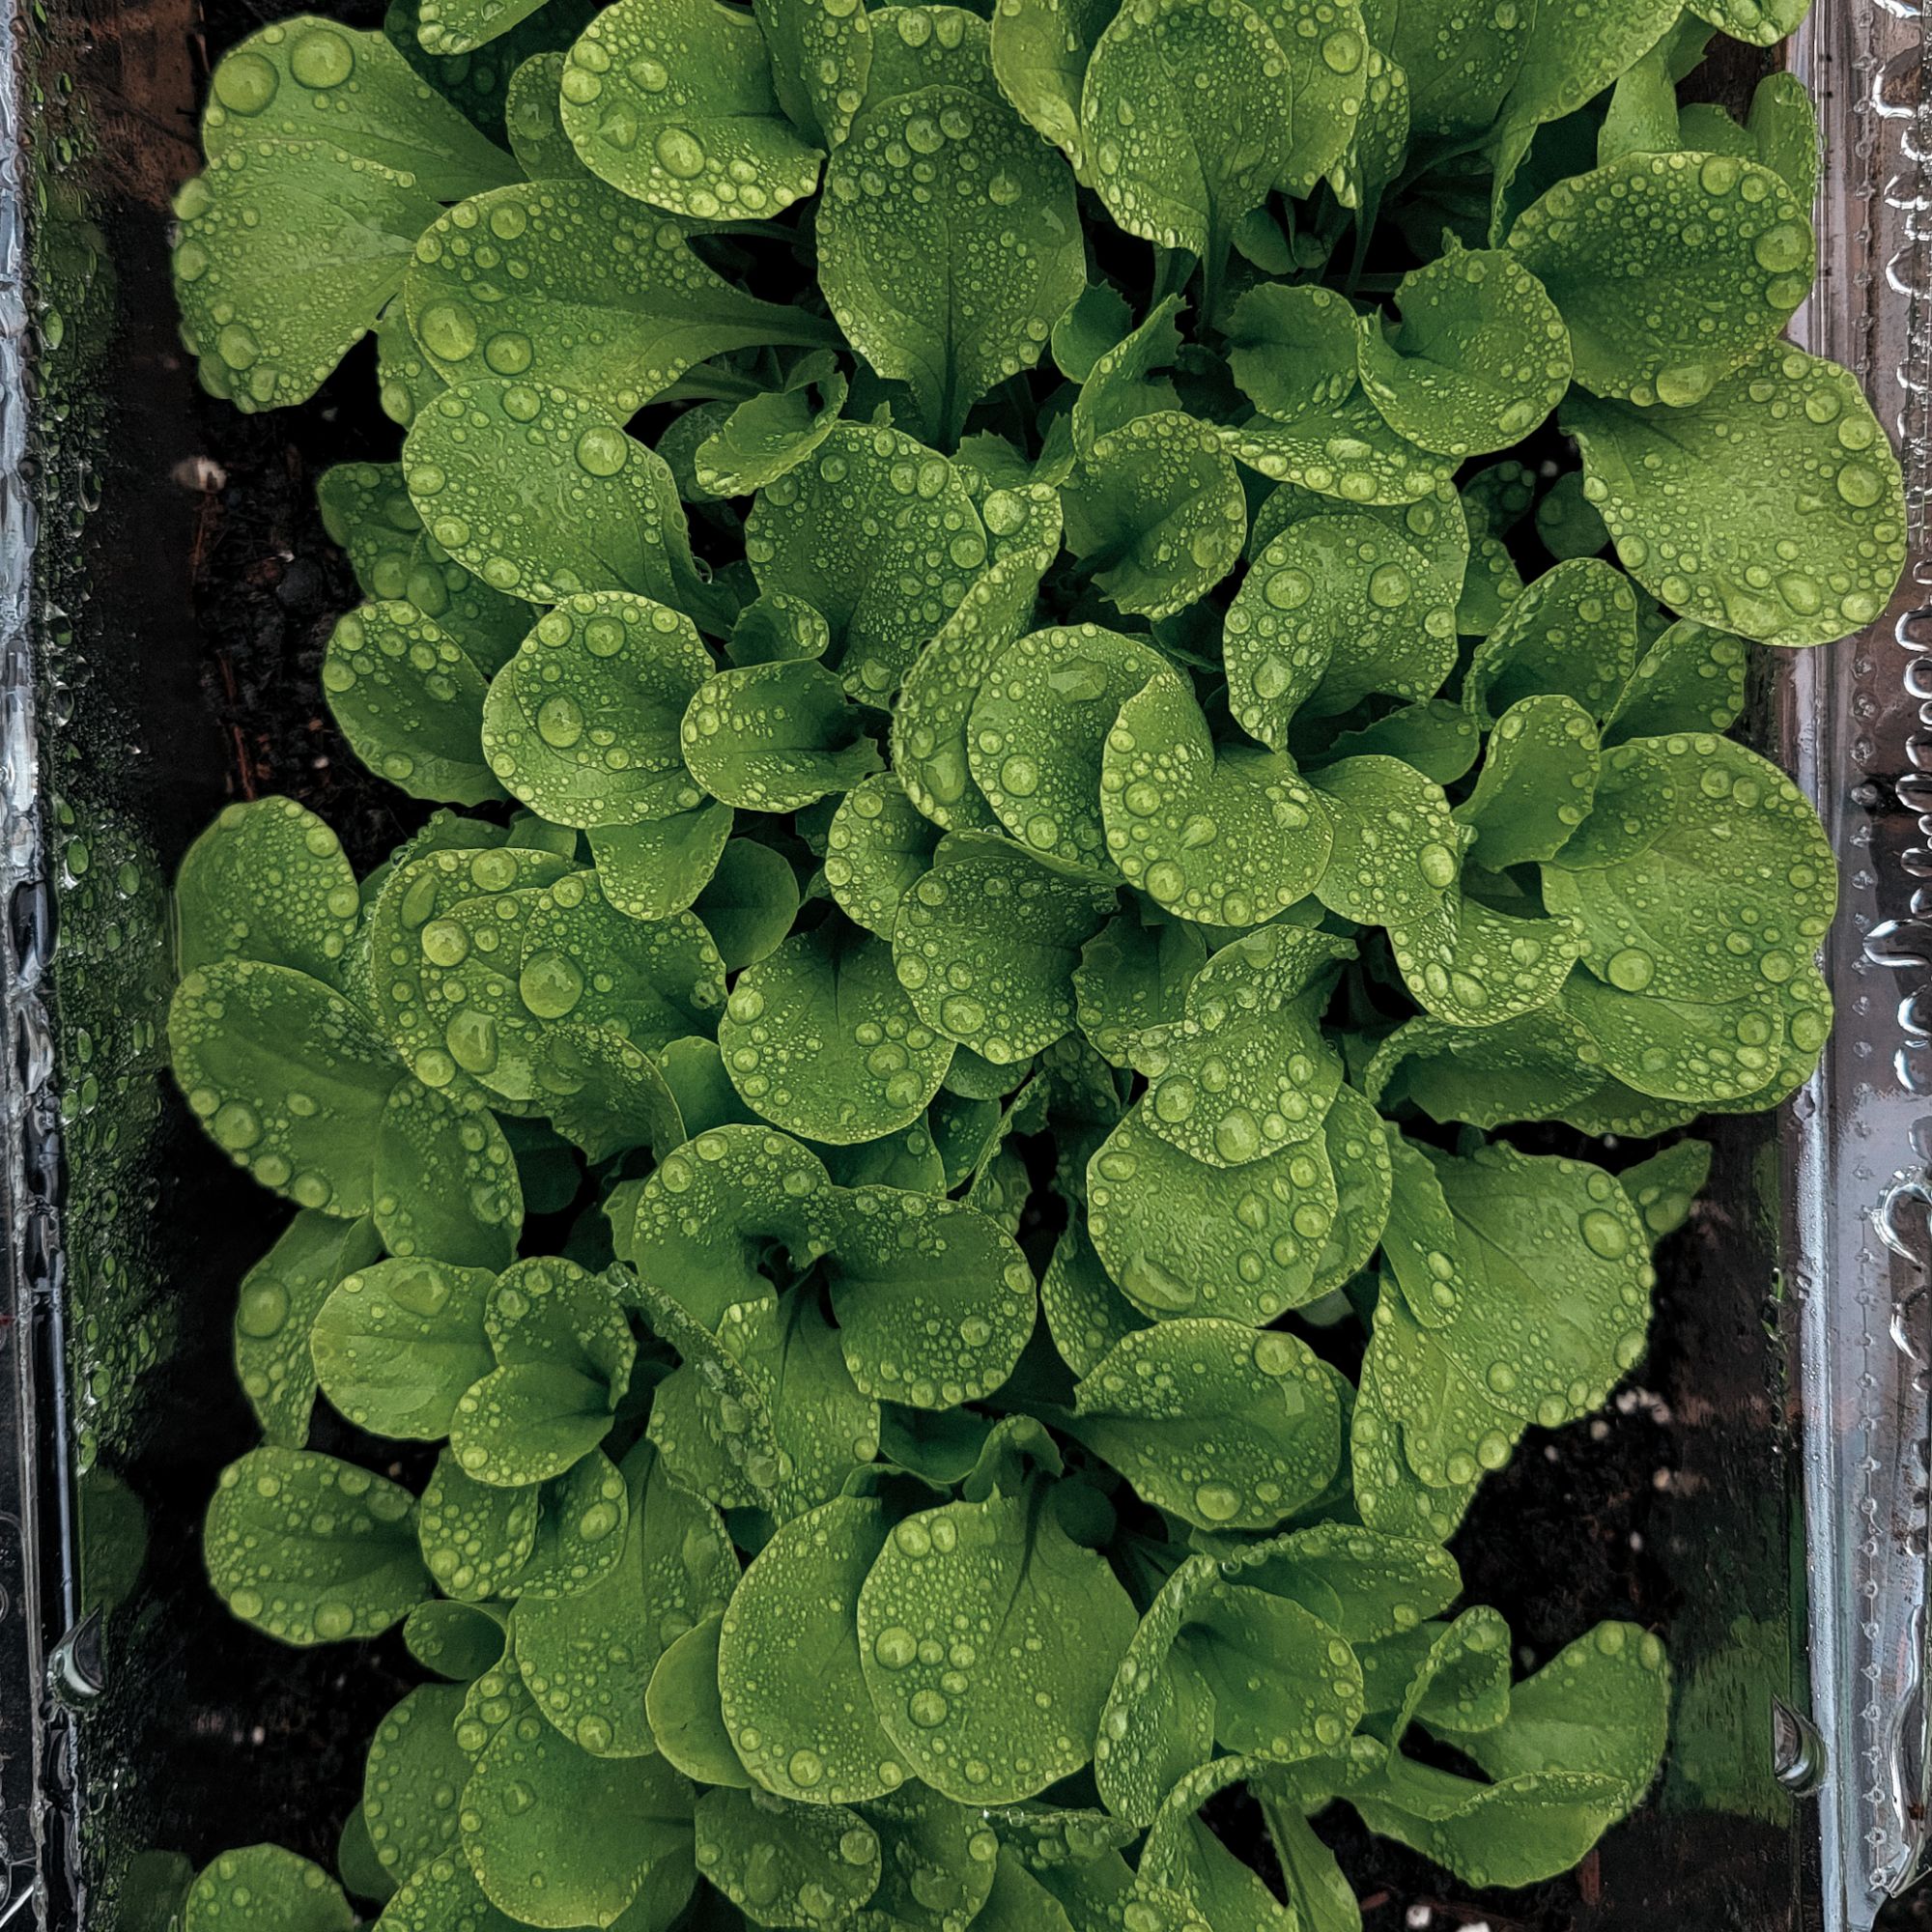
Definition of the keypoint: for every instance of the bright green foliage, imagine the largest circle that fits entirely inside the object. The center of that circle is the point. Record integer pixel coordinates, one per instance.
(1027, 802)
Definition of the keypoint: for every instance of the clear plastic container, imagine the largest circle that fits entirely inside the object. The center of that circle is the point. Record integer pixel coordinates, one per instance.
(1758, 1491)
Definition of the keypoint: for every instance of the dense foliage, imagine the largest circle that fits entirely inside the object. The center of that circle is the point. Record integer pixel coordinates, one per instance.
(1078, 649)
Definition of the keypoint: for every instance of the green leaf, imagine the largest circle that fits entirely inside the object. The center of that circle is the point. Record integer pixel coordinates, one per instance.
(264, 1885)
(659, 869)
(306, 79)
(476, 1538)
(1326, 44)
(929, 729)
(1293, 354)
(572, 285)
(1459, 64)
(1690, 679)
(581, 1517)
(491, 464)
(683, 1710)
(395, 1345)
(582, 723)
(986, 943)
(414, 1773)
(1772, 507)
(533, 120)
(1759, 22)
(1184, 1858)
(445, 1178)
(1219, 835)
(1041, 51)
(876, 848)
(409, 701)
(557, 1838)
(563, 1353)
(821, 59)
(280, 1297)
(1039, 728)
(1022, 1712)
(1538, 780)
(1156, 511)
(366, 509)
(750, 902)
(1574, 49)
(949, 245)
(938, 1864)
(1337, 606)
(1225, 1428)
(769, 434)
(1573, 630)
(487, 952)
(675, 105)
(255, 1047)
(1396, 848)
(934, 1303)
(1086, 1313)
(1207, 133)
(1702, 875)
(444, 1897)
(776, 737)
(588, 1658)
(1245, 1072)
(1480, 358)
(310, 1550)
(267, 881)
(796, 1702)
(784, 1865)
(1709, 255)
(270, 323)
(880, 535)
(1131, 980)
(447, 28)
(821, 1039)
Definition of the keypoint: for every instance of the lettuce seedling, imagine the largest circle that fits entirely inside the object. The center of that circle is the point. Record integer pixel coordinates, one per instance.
(1077, 656)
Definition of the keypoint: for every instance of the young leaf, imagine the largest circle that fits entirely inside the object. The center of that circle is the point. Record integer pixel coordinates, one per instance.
(267, 881)
(311, 1550)
(1573, 632)
(675, 105)
(821, 60)
(880, 535)
(769, 434)
(1003, 1718)
(785, 1864)
(557, 1838)
(581, 1517)
(1219, 835)
(775, 737)
(570, 284)
(1206, 133)
(490, 465)
(1039, 728)
(1132, 978)
(876, 848)
(1041, 51)
(683, 1710)
(949, 247)
(1225, 1428)
(414, 1773)
(409, 701)
(1720, 250)
(1155, 512)
(476, 1537)
(1337, 606)
(264, 1885)
(789, 1666)
(1536, 783)
(821, 1039)
(1771, 506)
(304, 80)
(986, 945)
(658, 870)
(582, 723)
(1480, 358)
(280, 1297)
(588, 1658)
(396, 1345)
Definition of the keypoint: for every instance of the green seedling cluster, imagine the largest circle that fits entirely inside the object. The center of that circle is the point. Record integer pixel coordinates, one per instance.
(1060, 658)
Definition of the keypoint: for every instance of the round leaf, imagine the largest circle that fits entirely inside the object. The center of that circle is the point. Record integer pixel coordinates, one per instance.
(785, 1864)
(775, 737)
(395, 1345)
(311, 1550)
(821, 1039)
(876, 847)
(990, 1638)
